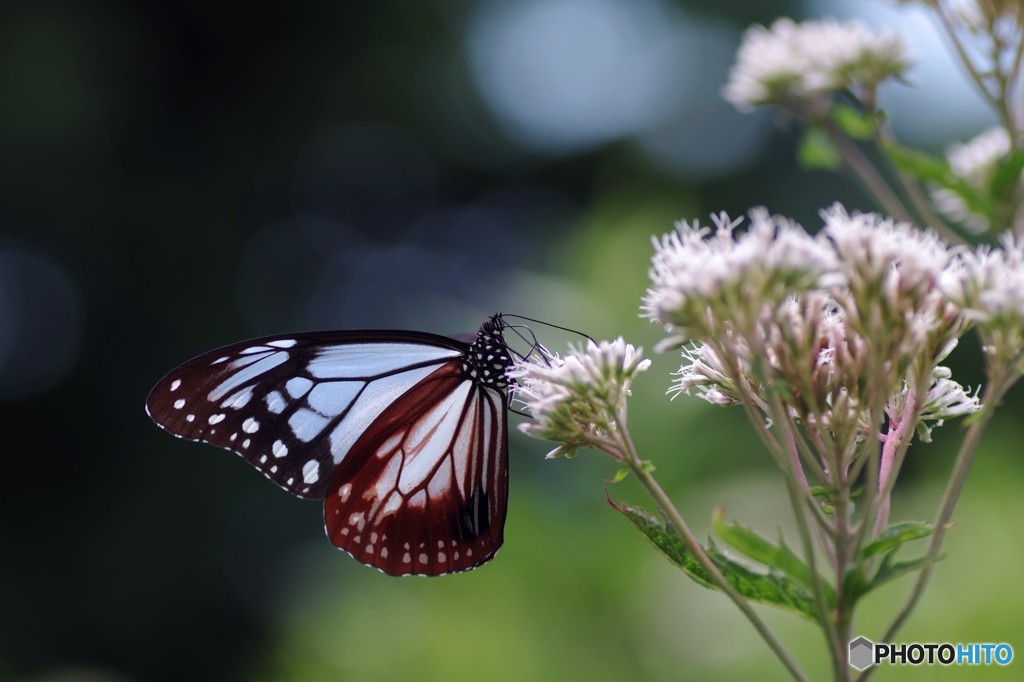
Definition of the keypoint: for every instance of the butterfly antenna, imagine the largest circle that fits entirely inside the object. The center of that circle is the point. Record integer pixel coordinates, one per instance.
(548, 324)
(535, 345)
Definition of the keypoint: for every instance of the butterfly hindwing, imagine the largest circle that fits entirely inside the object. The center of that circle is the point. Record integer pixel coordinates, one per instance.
(425, 488)
(292, 406)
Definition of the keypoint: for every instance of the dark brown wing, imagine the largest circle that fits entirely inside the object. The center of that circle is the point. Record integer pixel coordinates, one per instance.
(424, 490)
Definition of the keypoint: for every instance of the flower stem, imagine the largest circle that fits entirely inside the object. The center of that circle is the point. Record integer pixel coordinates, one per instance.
(867, 173)
(896, 441)
(633, 461)
(961, 467)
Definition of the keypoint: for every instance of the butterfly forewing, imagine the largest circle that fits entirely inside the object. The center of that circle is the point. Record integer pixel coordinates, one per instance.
(293, 406)
(425, 489)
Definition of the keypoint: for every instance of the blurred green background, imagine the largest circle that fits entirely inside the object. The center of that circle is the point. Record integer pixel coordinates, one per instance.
(179, 175)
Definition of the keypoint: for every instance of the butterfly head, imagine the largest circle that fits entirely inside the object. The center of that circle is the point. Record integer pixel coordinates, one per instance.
(488, 357)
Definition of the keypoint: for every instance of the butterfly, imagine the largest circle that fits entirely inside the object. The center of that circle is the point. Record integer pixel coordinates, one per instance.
(403, 434)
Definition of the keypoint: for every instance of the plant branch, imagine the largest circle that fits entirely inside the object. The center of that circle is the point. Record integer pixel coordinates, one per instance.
(961, 467)
(673, 516)
(867, 173)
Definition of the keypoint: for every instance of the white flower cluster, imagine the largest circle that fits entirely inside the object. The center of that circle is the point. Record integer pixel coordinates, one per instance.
(988, 286)
(579, 399)
(798, 65)
(850, 319)
(693, 266)
(974, 162)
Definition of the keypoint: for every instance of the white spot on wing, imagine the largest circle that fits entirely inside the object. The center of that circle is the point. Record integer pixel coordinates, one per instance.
(311, 473)
(393, 504)
(190, 417)
(275, 402)
(282, 343)
(250, 425)
(175, 384)
(306, 424)
(179, 403)
(279, 449)
(297, 386)
(344, 492)
(215, 419)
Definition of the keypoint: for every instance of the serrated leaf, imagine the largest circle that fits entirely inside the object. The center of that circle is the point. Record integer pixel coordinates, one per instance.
(777, 557)
(774, 589)
(815, 151)
(856, 124)
(894, 536)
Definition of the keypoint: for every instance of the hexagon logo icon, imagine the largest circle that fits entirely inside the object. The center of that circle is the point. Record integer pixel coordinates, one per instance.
(862, 653)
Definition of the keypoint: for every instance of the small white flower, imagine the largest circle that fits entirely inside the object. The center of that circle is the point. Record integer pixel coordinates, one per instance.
(700, 279)
(801, 65)
(945, 399)
(988, 284)
(893, 297)
(975, 162)
(577, 399)
(704, 374)
(881, 250)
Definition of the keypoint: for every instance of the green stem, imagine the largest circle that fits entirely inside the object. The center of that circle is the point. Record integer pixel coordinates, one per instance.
(961, 467)
(968, 65)
(632, 459)
(867, 173)
(913, 190)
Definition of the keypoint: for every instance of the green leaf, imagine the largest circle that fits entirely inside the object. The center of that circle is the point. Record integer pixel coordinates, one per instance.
(778, 557)
(894, 536)
(855, 123)
(933, 169)
(816, 152)
(855, 586)
(620, 475)
(774, 588)
(1006, 179)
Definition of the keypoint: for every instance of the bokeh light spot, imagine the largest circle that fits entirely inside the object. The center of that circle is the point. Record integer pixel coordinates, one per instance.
(40, 324)
(563, 75)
